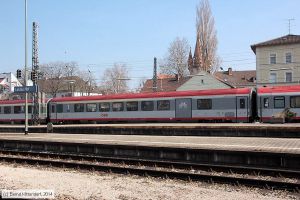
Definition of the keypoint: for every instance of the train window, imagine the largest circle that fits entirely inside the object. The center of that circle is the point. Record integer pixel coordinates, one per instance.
(91, 107)
(68, 108)
(204, 104)
(7, 110)
(147, 105)
(59, 108)
(79, 107)
(104, 107)
(266, 102)
(163, 105)
(29, 109)
(18, 109)
(44, 109)
(132, 106)
(295, 102)
(242, 103)
(118, 106)
(279, 102)
(53, 108)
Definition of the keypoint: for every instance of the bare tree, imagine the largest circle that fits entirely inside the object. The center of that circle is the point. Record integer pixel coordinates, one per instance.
(115, 79)
(207, 37)
(55, 76)
(176, 60)
(88, 83)
(141, 84)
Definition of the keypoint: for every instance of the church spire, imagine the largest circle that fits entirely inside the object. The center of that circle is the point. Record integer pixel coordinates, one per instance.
(197, 56)
(190, 61)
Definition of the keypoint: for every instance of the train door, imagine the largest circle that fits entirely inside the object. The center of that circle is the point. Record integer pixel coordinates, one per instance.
(242, 109)
(53, 114)
(265, 110)
(183, 108)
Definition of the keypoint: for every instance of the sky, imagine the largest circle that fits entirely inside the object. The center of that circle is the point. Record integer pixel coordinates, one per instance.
(98, 33)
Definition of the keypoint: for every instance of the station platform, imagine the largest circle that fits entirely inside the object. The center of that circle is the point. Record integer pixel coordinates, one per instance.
(277, 153)
(272, 145)
(291, 130)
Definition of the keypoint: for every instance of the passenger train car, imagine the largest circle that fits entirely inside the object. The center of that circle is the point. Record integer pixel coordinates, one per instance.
(273, 101)
(12, 111)
(203, 105)
(218, 105)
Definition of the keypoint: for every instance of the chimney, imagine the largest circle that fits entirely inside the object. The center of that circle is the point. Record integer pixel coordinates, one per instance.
(230, 71)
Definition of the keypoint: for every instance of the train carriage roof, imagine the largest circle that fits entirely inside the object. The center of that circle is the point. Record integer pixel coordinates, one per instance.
(279, 89)
(19, 101)
(157, 95)
(14, 101)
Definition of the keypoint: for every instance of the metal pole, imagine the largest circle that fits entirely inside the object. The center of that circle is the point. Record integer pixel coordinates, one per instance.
(26, 94)
(155, 76)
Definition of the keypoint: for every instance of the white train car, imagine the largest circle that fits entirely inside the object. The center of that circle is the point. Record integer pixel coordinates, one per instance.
(233, 105)
(13, 111)
(277, 102)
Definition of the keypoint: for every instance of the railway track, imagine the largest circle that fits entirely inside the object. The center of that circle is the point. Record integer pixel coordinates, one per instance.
(234, 175)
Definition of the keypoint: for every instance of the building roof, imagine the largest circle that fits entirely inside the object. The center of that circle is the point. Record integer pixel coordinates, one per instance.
(164, 84)
(287, 39)
(238, 79)
(203, 81)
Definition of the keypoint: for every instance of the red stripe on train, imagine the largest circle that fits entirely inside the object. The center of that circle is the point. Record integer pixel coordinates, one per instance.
(149, 119)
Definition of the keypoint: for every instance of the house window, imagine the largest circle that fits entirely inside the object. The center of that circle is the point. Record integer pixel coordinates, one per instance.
(204, 104)
(288, 77)
(288, 58)
(279, 102)
(273, 58)
(273, 77)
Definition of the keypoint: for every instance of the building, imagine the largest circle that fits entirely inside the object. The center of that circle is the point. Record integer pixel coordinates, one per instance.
(203, 81)
(165, 83)
(67, 87)
(200, 81)
(278, 60)
(237, 79)
(8, 82)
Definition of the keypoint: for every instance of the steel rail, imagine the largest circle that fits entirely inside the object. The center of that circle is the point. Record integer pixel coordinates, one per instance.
(232, 169)
(274, 183)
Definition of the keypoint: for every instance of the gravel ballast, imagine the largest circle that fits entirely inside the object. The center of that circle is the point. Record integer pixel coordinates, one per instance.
(74, 184)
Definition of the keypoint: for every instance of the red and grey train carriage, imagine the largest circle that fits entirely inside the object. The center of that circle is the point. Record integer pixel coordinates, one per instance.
(13, 111)
(274, 101)
(203, 105)
(231, 105)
